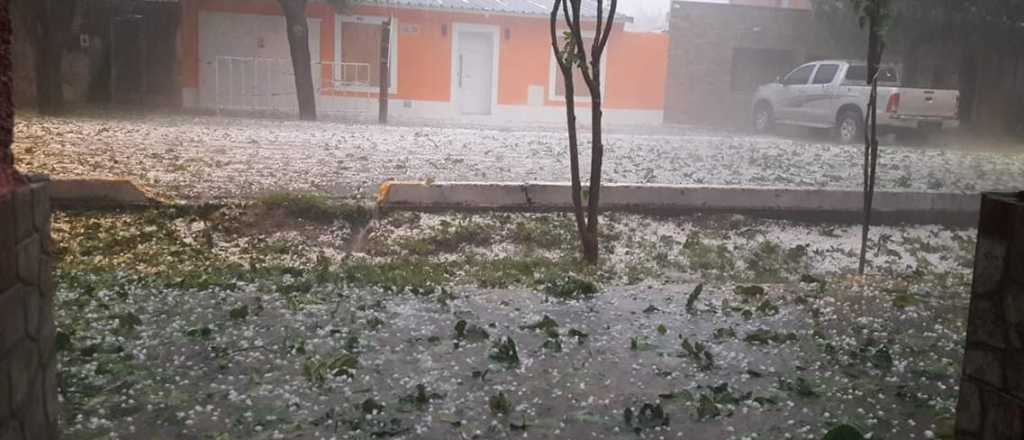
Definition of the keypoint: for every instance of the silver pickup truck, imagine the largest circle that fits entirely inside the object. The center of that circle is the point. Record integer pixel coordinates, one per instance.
(834, 95)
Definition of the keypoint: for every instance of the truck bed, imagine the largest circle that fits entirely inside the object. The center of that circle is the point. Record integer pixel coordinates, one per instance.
(927, 103)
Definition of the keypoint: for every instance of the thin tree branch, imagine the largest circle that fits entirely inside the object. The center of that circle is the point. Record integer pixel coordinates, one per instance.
(609, 25)
(570, 110)
(577, 35)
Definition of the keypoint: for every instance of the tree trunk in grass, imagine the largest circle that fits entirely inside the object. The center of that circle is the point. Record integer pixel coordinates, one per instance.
(875, 12)
(573, 55)
(570, 115)
(302, 64)
(385, 72)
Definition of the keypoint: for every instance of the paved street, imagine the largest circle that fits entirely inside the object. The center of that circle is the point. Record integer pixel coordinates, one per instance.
(208, 158)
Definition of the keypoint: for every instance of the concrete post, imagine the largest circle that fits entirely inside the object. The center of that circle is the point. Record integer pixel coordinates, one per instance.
(28, 361)
(991, 405)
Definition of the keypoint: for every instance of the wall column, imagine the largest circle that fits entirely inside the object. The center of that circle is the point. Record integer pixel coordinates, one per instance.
(991, 405)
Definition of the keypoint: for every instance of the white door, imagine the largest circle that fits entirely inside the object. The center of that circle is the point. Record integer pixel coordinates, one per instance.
(474, 71)
(823, 97)
(792, 97)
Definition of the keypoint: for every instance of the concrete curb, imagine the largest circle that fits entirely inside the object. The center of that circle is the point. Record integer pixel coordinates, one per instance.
(97, 193)
(809, 204)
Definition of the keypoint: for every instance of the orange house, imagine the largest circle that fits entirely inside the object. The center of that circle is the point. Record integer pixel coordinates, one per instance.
(479, 60)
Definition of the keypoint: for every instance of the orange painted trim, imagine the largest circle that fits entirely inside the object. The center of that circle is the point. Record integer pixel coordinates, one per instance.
(636, 69)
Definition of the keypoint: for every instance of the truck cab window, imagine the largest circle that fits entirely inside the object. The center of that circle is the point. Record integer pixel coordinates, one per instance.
(826, 73)
(799, 76)
(887, 75)
(859, 74)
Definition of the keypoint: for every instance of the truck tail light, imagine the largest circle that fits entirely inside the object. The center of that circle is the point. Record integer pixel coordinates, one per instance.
(894, 103)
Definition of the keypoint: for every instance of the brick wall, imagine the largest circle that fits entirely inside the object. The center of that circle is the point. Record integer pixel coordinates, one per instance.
(991, 405)
(28, 365)
(704, 39)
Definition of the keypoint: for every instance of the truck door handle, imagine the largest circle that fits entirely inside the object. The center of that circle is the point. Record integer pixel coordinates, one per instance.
(460, 70)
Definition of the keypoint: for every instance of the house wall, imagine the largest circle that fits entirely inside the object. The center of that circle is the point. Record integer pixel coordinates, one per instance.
(636, 66)
(708, 45)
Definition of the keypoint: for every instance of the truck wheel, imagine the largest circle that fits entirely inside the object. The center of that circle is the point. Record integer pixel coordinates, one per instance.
(849, 127)
(764, 118)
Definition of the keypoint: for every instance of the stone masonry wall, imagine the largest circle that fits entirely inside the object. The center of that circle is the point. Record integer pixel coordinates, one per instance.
(991, 405)
(28, 363)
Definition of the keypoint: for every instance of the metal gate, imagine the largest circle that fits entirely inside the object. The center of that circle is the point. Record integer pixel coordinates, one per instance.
(268, 85)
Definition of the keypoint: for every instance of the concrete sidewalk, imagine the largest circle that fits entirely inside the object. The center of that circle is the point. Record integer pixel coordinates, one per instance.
(809, 204)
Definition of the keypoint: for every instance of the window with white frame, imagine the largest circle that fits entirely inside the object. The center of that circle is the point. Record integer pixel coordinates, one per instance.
(357, 51)
(556, 86)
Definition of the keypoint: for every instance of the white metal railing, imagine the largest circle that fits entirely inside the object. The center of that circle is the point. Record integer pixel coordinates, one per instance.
(268, 84)
(351, 75)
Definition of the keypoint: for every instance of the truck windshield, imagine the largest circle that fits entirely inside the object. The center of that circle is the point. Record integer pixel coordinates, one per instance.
(859, 74)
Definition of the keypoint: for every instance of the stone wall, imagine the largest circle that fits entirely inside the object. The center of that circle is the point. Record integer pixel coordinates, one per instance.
(991, 405)
(712, 43)
(28, 363)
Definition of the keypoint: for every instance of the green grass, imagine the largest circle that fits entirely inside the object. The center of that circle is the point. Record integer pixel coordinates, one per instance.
(216, 247)
(706, 257)
(449, 237)
(772, 262)
(316, 208)
(546, 232)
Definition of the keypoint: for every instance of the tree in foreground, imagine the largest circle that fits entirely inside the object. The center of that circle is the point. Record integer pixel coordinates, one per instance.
(873, 15)
(572, 55)
(9, 176)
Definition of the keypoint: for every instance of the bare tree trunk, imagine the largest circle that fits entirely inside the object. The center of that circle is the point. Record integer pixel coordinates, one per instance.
(590, 240)
(570, 115)
(302, 64)
(9, 176)
(385, 72)
(575, 55)
(6, 101)
(875, 48)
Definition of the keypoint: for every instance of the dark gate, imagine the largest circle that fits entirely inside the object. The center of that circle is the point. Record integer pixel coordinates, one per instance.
(127, 61)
